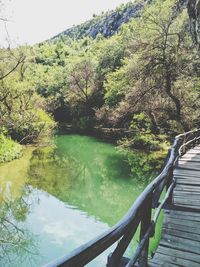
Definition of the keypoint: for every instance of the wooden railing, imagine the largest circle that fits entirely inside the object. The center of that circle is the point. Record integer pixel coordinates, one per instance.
(140, 214)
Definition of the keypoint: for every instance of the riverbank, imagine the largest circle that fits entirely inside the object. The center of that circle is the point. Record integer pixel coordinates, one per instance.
(108, 134)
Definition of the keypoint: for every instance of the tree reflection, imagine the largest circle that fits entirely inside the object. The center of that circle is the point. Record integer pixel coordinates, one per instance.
(17, 244)
(89, 175)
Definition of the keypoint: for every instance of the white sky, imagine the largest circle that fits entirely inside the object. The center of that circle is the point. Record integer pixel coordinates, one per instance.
(32, 21)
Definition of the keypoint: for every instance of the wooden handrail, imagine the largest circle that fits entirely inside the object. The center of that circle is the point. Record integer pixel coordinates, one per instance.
(140, 212)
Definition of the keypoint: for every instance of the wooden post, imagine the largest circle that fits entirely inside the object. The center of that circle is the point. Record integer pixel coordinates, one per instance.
(117, 255)
(145, 223)
(169, 182)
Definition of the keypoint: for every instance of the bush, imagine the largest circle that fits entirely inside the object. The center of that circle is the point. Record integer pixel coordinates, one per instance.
(9, 149)
(143, 137)
(145, 142)
(36, 126)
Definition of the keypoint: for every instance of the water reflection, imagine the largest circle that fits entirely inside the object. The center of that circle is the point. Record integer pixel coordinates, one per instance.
(87, 174)
(17, 244)
(57, 198)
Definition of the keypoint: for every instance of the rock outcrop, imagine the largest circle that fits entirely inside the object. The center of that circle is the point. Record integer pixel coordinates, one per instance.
(194, 14)
(106, 24)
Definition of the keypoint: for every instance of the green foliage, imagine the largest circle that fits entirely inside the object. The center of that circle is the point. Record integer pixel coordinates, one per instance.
(141, 123)
(115, 85)
(144, 78)
(142, 163)
(36, 126)
(145, 141)
(143, 137)
(23, 111)
(9, 149)
(159, 75)
(80, 81)
(84, 124)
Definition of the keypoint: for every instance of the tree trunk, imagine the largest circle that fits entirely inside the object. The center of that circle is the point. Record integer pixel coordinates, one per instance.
(176, 101)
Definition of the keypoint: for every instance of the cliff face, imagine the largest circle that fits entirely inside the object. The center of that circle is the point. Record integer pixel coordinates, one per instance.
(106, 24)
(194, 14)
(110, 22)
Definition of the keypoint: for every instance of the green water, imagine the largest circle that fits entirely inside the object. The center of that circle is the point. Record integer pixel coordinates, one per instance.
(56, 198)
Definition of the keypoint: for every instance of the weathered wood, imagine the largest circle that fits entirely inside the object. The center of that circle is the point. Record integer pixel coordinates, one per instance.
(178, 253)
(174, 260)
(179, 233)
(145, 224)
(180, 241)
(118, 253)
(141, 246)
(186, 179)
(122, 262)
(174, 213)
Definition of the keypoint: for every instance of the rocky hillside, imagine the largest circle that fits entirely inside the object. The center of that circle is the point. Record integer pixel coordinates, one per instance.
(107, 23)
(194, 13)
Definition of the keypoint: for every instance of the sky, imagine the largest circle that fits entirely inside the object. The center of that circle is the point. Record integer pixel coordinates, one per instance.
(33, 21)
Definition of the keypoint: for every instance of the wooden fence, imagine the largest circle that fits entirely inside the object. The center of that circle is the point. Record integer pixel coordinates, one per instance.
(140, 214)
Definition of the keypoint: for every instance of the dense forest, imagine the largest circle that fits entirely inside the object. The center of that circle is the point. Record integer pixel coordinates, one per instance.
(142, 79)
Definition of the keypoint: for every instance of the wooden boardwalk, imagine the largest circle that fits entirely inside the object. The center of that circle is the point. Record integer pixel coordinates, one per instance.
(180, 240)
(176, 190)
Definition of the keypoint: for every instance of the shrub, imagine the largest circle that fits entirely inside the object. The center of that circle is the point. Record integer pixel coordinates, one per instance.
(9, 149)
(36, 126)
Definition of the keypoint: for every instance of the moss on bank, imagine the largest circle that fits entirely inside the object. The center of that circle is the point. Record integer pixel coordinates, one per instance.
(9, 150)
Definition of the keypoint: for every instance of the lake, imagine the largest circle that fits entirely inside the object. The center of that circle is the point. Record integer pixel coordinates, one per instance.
(56, 198)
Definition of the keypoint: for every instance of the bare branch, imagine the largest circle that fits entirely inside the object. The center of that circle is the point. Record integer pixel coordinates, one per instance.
(14, 68)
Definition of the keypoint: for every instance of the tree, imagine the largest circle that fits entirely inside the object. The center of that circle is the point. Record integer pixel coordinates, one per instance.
(80, 80)
(22, 110)
(160, 72)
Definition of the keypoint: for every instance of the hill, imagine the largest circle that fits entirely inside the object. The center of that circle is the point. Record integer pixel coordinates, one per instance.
(107, 23)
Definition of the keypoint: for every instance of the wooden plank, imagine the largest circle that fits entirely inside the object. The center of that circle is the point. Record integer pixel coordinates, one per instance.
(188, 178)
(154, 264)
(180, 243)
(193, 172)
(179, 233)
(186, 193)
(188, 167)
(186, 182)
(186, 196)
(191, 163)
(183, 213)
(183, 228)
(188, 188)
(192, 206)
(184, 217)
(192, 160)
(191, 181)
(187, 173)
(174, 260)
(179, 253)
(181, 222)
(161, 264)
(185, 201)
